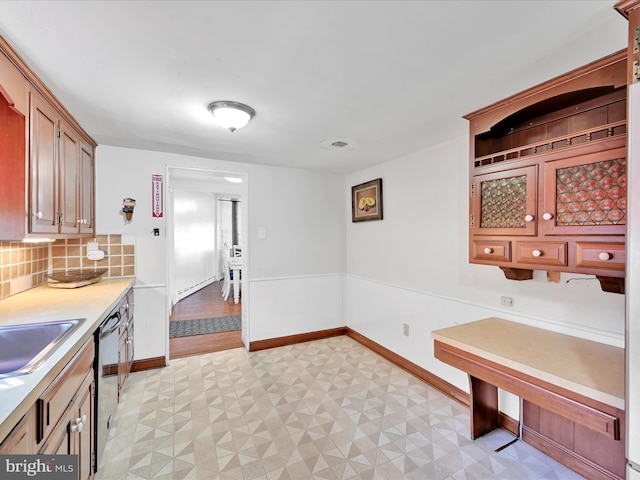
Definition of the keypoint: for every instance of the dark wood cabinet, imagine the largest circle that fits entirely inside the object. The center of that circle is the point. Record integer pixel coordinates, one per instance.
(125, 341)
(548, 177)
(65, 412)
(47, 160)
(62, 176)
(21, 439)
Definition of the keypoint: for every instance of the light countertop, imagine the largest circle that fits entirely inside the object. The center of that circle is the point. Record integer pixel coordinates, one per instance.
(43, 304)
(592, 369)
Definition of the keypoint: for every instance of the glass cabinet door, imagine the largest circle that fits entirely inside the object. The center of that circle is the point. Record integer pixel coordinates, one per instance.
(586, 194)
(504, 203)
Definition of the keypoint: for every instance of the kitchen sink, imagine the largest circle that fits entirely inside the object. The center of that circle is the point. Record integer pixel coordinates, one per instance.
(23, 348)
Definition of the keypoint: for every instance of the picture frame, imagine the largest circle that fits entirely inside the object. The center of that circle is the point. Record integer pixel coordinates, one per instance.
(366, 201)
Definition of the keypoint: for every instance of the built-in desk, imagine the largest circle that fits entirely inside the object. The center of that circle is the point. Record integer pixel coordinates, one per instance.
(572, 389)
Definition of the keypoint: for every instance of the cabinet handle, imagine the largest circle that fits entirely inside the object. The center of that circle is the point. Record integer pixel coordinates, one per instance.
(78, 426)
(488, 250)
(536, 253)
(528, 218)
(38, 214)
(547, 216)
(604, 256)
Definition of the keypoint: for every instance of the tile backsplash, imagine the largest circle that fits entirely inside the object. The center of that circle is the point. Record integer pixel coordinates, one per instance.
(20, 261)
(28, 263)
(71, 254)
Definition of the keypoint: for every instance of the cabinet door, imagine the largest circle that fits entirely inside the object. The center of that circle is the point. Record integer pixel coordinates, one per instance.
(586, 194)
(83, 438)
(20, 441)
(44, 125)
(87, 189)
(504, 203)
(69, 172)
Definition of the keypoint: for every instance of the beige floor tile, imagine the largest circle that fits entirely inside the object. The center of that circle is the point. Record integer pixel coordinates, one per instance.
(328, 409)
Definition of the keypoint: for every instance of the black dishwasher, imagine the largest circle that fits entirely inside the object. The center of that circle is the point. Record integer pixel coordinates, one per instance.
(106, 376)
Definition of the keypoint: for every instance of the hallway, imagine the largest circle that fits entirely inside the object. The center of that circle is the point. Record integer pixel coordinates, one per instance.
(205, 303)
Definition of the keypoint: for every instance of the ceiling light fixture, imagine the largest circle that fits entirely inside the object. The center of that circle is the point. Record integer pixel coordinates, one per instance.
(231, 115)
(233, 179)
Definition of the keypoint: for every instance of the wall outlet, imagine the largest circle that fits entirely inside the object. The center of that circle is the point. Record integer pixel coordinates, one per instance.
(506, 301)
(405, 329)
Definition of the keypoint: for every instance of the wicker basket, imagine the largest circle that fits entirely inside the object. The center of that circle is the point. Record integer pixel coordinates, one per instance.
(75, 278)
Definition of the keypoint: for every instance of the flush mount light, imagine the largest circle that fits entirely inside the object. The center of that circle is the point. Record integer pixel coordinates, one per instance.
(231, 115)
(233, 179)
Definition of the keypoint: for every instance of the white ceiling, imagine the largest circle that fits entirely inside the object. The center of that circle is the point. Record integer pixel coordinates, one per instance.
(393, 77)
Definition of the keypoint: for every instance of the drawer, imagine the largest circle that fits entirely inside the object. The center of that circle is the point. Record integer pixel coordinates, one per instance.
(608, 256)
(53, 402)
(542, 253)
(488, 250)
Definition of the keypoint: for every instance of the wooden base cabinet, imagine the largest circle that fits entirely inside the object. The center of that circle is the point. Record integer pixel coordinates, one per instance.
(590, 453)
(21, 440)
(548, 175)
(65, 413)
(125, 341)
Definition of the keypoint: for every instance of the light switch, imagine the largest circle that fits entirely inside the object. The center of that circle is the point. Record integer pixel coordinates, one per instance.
(262, 233)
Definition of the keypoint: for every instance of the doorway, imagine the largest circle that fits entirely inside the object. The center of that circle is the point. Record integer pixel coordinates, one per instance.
(199, 203)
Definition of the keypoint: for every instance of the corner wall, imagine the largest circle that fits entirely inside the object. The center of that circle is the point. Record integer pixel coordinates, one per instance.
(412, 267)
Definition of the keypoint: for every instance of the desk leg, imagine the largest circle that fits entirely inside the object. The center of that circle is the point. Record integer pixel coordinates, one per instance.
(484, 407)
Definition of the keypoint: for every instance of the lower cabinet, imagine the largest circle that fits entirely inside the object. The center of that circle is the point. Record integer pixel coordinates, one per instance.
(125, 341)
(21, 439)
(73, 435)
(62, 419)
(588, 452)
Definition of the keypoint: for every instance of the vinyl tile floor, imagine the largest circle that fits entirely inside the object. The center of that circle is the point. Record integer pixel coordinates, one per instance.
(327, 409)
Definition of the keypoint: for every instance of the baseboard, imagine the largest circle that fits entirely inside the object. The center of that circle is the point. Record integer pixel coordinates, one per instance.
(293, 339)
(426, 376)
(509, 424)
(148, 364)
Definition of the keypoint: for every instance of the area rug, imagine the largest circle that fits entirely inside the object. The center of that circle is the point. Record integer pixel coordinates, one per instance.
(201, 326)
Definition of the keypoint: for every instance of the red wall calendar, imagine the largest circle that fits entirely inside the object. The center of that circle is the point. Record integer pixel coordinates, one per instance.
(156, 195)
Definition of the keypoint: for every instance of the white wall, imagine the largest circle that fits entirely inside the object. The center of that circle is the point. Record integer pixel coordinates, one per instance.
(302, 255)
(194, 229)
(412, 267)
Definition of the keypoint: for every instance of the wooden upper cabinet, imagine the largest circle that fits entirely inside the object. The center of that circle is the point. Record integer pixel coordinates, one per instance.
(47, 160)
(43, 164)
(61, 167)
(12, 166)
(70, 180)
(87, 222)
(548, 173)
(505, 202)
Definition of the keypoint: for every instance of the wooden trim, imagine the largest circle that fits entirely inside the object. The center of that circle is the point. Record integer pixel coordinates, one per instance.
(148, 364)
(293, 339)
(567, 457)
(554, 82)
(509, 424)
(443, 386)
(39, 85)
(625, 6)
